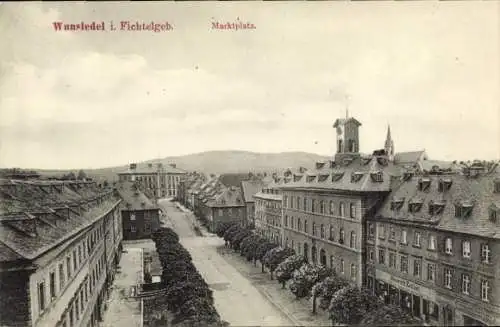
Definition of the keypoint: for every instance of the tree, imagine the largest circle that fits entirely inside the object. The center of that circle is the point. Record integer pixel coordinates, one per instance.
(350, 304)
(249, 247)
(82, 175)
(222, 227)
(262, 250)
(231, 231)
(325, 289)
(275, 256)
(305, 277)
(236, 240)
(389, 315)
(285, 269)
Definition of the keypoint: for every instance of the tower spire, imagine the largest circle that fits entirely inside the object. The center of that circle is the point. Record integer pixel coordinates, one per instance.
(346, 106)
(389, 144)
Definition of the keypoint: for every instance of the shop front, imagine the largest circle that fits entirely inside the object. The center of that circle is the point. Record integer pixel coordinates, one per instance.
(413, 298)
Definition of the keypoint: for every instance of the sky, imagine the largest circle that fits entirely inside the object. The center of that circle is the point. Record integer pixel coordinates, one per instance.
(96, 99)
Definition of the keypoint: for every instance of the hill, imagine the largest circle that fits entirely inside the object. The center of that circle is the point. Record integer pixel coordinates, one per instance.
(215, 162)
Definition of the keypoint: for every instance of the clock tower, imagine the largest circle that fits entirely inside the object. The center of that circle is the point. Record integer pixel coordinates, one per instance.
(347, 131)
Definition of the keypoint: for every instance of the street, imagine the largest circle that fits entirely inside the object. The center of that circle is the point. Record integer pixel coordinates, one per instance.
(236, 298)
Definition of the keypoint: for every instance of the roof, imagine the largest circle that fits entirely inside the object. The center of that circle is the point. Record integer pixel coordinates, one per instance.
(269, 196)
(233, 179)
(250, 188)
(343, 121)
(226, 197)
(36, 216)
(145, 168)
(357, 174)
(133, 198)
(477, 191)
(428, 165)
(410, 157)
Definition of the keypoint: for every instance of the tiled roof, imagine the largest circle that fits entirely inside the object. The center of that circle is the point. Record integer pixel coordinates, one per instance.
(145, 168)
(133, 198)
(227, 197)
(233, 179)
(250, 188)
(356, 174)
(427, 165)
(409, 157)
(477, 191)
(36, 216)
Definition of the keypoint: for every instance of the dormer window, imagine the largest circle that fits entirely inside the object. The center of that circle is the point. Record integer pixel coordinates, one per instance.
(397, 204)
(414, 206)
(332, 164)
(337, 176)
(463, 210)
(424, 184)
(322, 178)
(366, 161)
(310, 179)
(347, 161)
(356, 177)
(297, 178)
(377, 177)
(496, 186)
(382, 161)
(407, 175)
(444, 185)
(493, 213)
(435, 208)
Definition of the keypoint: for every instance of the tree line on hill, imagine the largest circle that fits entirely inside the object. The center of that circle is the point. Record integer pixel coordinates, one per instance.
(345, 303)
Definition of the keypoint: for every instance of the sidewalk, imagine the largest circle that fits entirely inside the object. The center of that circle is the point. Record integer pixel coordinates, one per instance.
(299, 311)
(202, 228)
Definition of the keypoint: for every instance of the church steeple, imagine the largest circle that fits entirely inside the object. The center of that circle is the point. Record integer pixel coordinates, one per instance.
(389, 144)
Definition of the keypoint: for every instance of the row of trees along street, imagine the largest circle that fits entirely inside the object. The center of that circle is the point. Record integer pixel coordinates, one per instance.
(345, 303)
(187, 296)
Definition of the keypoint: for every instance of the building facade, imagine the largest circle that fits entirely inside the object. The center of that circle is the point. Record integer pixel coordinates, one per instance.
(268, 213)
(140, 216)
(155, 180)
(249, 189)
(60, 243)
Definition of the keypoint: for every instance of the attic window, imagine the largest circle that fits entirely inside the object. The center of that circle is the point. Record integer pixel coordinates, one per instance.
(463, 210)
(347, 161)
(332, 164)
(297, 178)
(435, 208)
(320, 165)
(424, 184)
(382, 161)
(444, 184)
(377, 176)
(493, 213)
(366, 161)
(397, 204)
(415, 206)
(337, 176)
(356, 177)
(310, 178)
(322, 178)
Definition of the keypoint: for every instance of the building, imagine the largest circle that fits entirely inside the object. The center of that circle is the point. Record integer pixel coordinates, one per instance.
(432, 247)
(155, 180)
(187, 186)
(268, 212)
(140, 216)
(59, 246)
(249, 189)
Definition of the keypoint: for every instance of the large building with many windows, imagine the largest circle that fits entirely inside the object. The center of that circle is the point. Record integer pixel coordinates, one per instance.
(155, 180)
(268, 211)
(59, 246)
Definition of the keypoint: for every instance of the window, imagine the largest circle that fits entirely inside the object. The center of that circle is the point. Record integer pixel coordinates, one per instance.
(497, 187)
(332, 206)
(133, 229)
(431, 272)
(79, 254)
(314, 228)
(322, 207)
(353, 210)
(485, 253)
(381, 256)
(61, 277)
(332, 261)
(286, 221)
(404, 237)
(342, 266)
(404, 264)
(322, 231)
(448, 247)
(68, 267)
(305, 226)
(465, 283)
(77, 309)
(41, 296)
(341, 209)
(305, 205)
(466, 249)
(448, 277)
(381, 231)
(353, 272)
(331, 233)
(392, 259)
(220, 212)
(392, 234)
(132, 216)
(341, 236)
(432, 242)
(417, 239)
(417, 267)
(74, 260)
(52, 284)
(371, 255)
(485, 290)
(299, 224)
(298, 202)
(313, 205)
(371, 230)
(353, 240)
(147, 228)
(82, 302)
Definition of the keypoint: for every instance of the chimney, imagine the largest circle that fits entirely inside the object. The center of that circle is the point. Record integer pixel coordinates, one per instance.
(133, 166)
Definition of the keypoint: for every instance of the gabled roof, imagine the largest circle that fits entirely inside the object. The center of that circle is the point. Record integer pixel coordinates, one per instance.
(133, 198)
(477, 191)
(410, 157)
(227, 197)
(250, 188)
